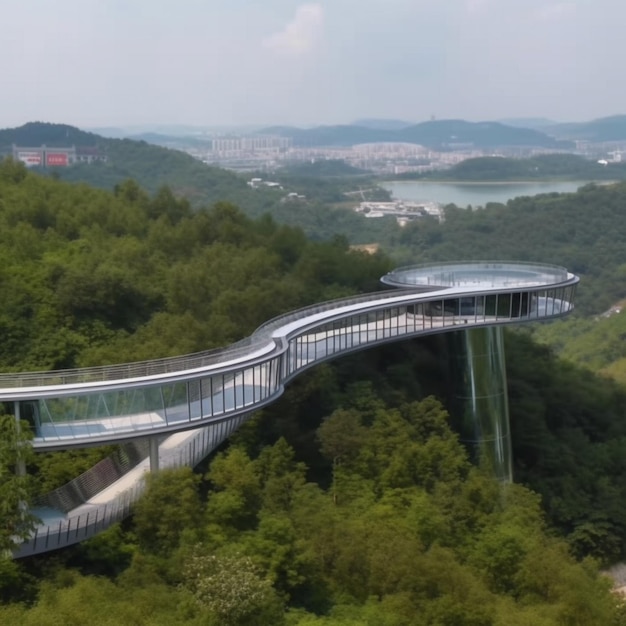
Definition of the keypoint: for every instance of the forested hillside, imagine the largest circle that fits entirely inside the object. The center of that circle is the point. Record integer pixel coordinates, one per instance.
(53, 135)
(544, 167)
(611, 128)
(405, 531)
(95, 277)
(595, 342)
(151, 166)
(350, 501)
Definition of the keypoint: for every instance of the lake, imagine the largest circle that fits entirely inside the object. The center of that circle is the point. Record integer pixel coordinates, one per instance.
(476, 194)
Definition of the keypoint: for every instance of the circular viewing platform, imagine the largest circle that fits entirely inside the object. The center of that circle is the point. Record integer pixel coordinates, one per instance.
(481, 275)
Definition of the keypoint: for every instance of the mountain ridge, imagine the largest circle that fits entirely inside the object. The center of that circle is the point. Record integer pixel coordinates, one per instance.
(436, 134)
(612, 128)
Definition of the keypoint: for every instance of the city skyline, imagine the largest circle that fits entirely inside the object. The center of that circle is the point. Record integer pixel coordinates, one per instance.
(94, 64)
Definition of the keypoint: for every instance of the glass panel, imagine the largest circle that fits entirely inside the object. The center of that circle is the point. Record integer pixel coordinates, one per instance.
(175, 402)
(206, 393)
(229, 393)
(292, 360)
(94, 413)
(217, 394)
(255, 388)
(244, 387)
(195, 399)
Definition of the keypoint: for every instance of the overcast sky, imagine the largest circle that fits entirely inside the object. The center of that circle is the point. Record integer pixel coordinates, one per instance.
(235, 62)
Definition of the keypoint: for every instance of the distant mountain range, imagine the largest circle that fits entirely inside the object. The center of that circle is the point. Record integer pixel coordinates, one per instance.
(435, 134)
(382, 124)
(536, 123)
(439, 135)
(170, 130)
(604, 129)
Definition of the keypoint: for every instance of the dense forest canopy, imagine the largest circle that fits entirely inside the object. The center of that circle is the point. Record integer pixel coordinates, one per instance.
(595, 342)
(406, 529)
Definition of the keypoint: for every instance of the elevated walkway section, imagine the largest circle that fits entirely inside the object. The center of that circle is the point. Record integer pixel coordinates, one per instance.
(211, 393)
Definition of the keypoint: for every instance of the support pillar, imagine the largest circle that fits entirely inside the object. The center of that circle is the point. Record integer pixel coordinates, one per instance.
(154, 454)
(480, 394)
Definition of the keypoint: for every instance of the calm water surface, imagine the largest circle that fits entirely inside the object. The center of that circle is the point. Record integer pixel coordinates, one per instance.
(476, 194)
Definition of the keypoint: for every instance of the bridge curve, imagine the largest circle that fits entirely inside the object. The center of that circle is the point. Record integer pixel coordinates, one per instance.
(208, 395)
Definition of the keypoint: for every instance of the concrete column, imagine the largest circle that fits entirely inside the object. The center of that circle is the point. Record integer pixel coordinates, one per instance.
(154, 454)
(480, 397)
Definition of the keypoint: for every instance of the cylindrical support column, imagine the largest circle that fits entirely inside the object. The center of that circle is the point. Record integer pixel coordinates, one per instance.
(154, 454)
(480, 390)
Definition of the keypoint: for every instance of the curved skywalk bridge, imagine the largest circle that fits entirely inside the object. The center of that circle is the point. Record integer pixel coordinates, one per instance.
(191, 404)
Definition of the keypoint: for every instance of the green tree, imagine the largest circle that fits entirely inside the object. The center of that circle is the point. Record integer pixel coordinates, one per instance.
(170, 508)
(232, 589)
(236, 497)
(281, 474)
(16, 520)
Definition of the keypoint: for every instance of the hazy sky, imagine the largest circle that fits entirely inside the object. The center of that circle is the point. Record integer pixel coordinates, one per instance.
(233, 62)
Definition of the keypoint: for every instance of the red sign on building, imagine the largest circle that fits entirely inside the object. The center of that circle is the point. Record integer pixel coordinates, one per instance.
(58, 159)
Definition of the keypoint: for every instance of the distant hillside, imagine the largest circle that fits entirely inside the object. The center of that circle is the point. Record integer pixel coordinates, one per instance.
(447, 133)
(559, 166)
(170, 141)
(323, 168)
(596, 343)
(54, 135)
(604, 129)
(440, 134)
(537, 123)
(382, 124)
(150, 165)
